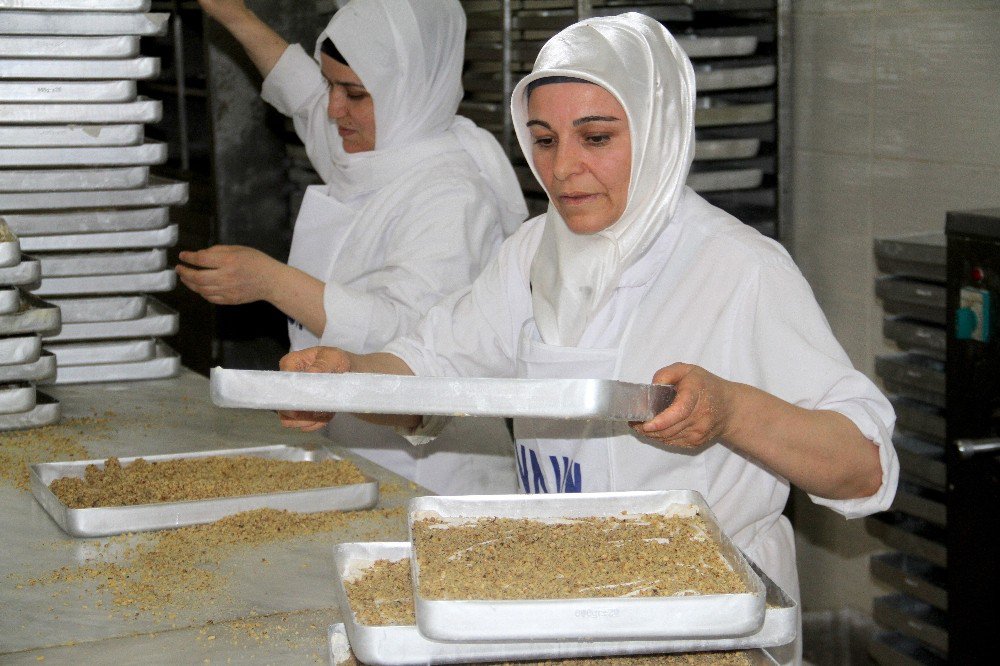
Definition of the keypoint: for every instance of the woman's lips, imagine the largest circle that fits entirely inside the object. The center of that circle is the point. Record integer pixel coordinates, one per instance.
(577, 198)
(344, 131)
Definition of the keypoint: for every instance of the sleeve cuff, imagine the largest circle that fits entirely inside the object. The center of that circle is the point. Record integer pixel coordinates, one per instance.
(430, 427)
(348, 316)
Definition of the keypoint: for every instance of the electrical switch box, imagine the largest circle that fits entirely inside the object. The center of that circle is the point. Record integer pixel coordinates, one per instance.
(972, 320)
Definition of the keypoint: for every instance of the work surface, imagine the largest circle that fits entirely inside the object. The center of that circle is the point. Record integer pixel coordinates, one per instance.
(266, 602)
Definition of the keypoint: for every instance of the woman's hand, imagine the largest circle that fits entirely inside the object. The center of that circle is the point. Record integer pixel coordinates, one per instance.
(699, 414)
(228, 274)
(314, 359)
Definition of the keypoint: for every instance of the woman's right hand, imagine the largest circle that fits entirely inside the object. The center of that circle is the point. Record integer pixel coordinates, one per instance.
(314, 359)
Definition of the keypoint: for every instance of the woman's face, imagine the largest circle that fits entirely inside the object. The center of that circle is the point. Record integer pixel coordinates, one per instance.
(350, 106)
(583, 152)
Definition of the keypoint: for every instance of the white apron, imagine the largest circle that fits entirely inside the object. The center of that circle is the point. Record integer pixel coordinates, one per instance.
(317, 241)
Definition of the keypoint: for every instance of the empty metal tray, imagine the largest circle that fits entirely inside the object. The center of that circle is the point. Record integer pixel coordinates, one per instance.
(100, 309)
(911, 298)
(41, 136)
(729, 179)
(102, 521)
(23, 92)
(918, 336)
(152, 238)
(893, 649)
(50, 180)
(64, 264)
(20, 349)
(146, 153)
(725, 149)
(919, 418)
(920, 256)
(35, 316)
(164, 363)
(910, 535)
(709, 78)
(140, 111)
(45, 412)
(38, 46)
(916, 500)
(716, 47)
(82, 23)
(712, 112)
(912, 618)
(28, 272)
(101, 353)
(159, 192)
(910, 375)
(917, 577)
(39, 68)
(126, 283)
(10, 253)
(42, 369)
(10, 299)
(920, 459)
(102, 220)
(79, 5)
(158, 320)
(16, 397)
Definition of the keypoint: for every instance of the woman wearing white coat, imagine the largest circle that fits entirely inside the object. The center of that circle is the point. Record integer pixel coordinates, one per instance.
(630, 271)
(415, 200)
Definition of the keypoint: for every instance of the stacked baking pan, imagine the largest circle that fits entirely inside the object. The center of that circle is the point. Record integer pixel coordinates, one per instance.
(75, 183)
(23, 320)
(912, 290)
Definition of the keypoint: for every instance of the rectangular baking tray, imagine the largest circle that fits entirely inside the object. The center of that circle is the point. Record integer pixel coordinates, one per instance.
(727, 179)
(712, 112)
(101, 353)
(10, 299)
(37, 46)
(140, 111)
(64, 264)
(101, 220)
(45, 412)
(20, 349)
(404, 644)
(159, 192)
(79, 5)
(605, 618)
(104, 521)
(153, 238)
(913, 618)
(725, 149)
(709, 78)
(75, 68)
(44, 136)
(48, 180)
(37, 316)
(164, 363)
(42, 369)
(146, 153)
(450, 396)
(918, 578)
(717, 47)
(126, 283)
(928, 339)
(101, 308)
(82, 23)
(10, 253)
(158, 320)
(28, 272)
(16, 397)
(22, 92)
(922, 255)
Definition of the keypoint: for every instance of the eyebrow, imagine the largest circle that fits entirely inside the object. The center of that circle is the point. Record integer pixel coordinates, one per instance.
(576, 123)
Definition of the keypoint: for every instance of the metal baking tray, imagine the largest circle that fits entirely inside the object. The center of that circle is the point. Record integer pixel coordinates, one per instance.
(10, 299)
(103, 521)
(711, 112)
(62, 68)
(913, 618)
(65, 264)
(921, 460)
(708, 78)
(102, 220)
(83, 23)
(17, 397)
(164, 363)
(140, 111)
(404, 644)
(159, 192)
(10, 253)
(912, 298)
(45, 412)
(47, 180)
(925, 338)
(23, 92)
(101, 308)
(725, 149)
(36, 316)
(604, 618)
(42, 136)
(912, 370)
(62, 5)
(919, 418)
(38, 46)
(892, 649)
(153, 238)
(922, 255)
(42, 369)
(449, 396)
(158, 320)
(101, 353)
(717, 47)
(927, 504)
(730, 179)
(28, 272)
(917, 577)
(910, 535)
(146, 153)
(20, 349)
(125, 283)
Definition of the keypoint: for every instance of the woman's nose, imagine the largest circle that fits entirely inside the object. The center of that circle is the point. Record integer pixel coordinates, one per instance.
(567, 160)
(337, 103)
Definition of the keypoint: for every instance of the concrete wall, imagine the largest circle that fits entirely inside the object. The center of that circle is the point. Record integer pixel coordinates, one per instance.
(896, 109)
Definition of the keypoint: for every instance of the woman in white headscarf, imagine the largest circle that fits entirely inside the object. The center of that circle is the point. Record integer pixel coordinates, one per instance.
(630, 271)
(415, 201)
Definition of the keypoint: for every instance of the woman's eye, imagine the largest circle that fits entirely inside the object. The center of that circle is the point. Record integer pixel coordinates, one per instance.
(543, 141)
(357, 95)
(598, 139)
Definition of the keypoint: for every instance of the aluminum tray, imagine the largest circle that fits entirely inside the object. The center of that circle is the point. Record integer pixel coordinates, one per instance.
(28, 272)
(406, 645)
(47, 180)
(10, 253)
(102, 263)
(24, 92)
(708, 78)
(711, 112)
(100, 309)
(393, 394)
(725, 149)
(45, 412)
(37, 68)
(10, 299)
(20, 349)
(82, 23)
(127, 283)
(47, 223)
(604, 618)
(40, 370)
(37, 46)
(153, 238)
(158, 320)
(717, 47)
(140, 111)
(159, 192)
(101, 353)
(731, 179)
(62, 5)
(921, 255)
(104, 521)
(164, 363)
(17, 397)
(146, 153)
(36, 317)
(41, 136)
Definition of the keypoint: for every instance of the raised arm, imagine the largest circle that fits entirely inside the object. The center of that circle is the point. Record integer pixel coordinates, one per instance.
(262, 44)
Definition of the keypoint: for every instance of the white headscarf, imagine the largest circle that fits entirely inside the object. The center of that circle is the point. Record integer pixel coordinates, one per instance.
(637, 60)
(408, 54)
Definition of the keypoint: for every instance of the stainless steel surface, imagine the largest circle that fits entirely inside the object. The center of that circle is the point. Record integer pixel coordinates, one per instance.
(393, 394)
(103, 521)
(10, 253)
(158, 321)
(49, 180)
(38, 46)
(725, 149)
(101, 353)
(159, 192)
(125, 283)
(16, 398)
(38, 371)
(77, 310)
(39, 68)
(149, 152)
(140, 111)
(28, 272)
(717, 47)
(82, 23)
(730, 179)
(709, 78)
(67, 91)
(45, 412)
(49, 223)
(711, 112)
(153, 238)
(165, 363)
(694, 616)
(36, 316)
(40, 136)
(10, 299)
(92, 5)
(20, 349)
(102, 263)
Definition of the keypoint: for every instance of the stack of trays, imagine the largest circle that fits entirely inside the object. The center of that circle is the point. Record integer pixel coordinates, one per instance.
(23, 320)
(466, 631)
(75, 183)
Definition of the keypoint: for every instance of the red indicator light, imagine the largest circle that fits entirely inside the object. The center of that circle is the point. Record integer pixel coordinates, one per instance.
(978, 274)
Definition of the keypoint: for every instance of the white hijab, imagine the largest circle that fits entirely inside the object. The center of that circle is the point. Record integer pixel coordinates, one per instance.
(637, 60)
(408, 54)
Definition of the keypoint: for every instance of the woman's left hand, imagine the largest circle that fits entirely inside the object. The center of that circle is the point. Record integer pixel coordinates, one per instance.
(698, 415)
(228, 274)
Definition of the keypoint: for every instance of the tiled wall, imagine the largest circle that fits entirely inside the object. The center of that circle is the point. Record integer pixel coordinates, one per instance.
(896, 111)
